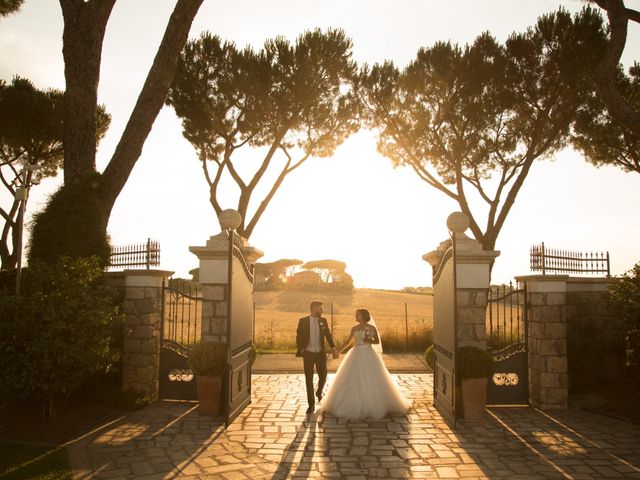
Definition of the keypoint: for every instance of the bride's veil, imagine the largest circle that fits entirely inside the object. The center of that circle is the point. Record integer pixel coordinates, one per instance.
(377, 347)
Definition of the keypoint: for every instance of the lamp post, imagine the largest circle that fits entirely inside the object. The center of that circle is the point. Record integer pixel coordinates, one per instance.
(22, 195)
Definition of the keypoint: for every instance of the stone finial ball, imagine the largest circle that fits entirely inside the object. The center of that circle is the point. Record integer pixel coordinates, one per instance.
(458, 222)
(229, 219)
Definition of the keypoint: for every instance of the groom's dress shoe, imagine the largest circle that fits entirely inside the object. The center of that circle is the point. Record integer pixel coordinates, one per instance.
(311, 409)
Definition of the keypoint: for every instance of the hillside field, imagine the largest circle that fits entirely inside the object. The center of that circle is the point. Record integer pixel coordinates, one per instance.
(277, 314)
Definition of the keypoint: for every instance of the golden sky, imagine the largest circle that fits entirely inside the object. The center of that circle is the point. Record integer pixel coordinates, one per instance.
(354, 206)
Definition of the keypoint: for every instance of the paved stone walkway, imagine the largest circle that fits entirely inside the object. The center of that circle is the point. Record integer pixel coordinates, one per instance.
(289, 363)
(274, 439)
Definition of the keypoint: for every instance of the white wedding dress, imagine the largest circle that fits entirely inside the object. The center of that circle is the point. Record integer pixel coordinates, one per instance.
(363, 387)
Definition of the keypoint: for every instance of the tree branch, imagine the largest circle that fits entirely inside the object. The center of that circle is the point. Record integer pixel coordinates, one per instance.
(464, 204)
(149, 102)
(248, 230)
(606, 74)
(232, 170)
(213, 188)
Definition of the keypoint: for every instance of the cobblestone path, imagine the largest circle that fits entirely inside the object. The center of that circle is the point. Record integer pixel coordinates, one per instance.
(275, 439)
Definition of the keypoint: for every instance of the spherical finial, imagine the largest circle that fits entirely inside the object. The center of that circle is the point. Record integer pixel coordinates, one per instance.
(229, 219)
(458, 222)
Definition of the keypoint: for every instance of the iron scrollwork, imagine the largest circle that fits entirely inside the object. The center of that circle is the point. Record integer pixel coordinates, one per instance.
(503, 379)
(180, 375)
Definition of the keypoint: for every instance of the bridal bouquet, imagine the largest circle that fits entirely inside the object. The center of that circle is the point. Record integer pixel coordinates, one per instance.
(368, 335)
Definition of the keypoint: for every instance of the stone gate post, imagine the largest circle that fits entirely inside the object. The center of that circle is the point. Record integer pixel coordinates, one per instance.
(473, 275)
(547, 333)
(213, 276)
(140, 292)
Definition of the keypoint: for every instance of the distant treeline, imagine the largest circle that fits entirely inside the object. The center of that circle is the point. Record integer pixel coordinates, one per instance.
(294, 274)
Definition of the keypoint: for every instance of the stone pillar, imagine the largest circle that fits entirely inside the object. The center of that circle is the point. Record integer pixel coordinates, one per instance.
(473, 267)
(141, 297)
(213, 276)
(473, 280)
(547, 335)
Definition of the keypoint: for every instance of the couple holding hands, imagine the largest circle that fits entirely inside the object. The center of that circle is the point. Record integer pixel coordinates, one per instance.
(362, 387)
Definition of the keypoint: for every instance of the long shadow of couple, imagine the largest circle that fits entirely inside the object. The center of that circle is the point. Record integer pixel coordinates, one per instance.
(333, 446)
(298, 457)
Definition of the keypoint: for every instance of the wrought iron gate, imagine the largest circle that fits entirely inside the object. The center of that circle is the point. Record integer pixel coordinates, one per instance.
(507, 339)
(444, 334)
(239, 330)
(181, 318)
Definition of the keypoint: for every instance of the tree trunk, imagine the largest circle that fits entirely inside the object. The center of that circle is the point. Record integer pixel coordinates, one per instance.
(84, 29)
(606, 75)
(149, 102)
(8, 261)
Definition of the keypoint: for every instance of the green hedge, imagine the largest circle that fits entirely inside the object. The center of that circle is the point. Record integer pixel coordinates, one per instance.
(625, 297)
(473, 362)
(428, 357)
(57, 332)
(72, 224)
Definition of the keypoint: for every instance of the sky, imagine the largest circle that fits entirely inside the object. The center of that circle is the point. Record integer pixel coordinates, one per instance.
(354, 206)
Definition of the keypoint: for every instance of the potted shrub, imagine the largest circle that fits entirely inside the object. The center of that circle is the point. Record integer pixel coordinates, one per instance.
(428, 357)
(208, 361)
(473, 366)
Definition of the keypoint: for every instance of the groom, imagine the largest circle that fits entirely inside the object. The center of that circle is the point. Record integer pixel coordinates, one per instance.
(312, 330)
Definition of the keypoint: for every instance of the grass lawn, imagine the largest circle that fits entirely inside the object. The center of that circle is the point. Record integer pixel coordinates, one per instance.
(19, 462)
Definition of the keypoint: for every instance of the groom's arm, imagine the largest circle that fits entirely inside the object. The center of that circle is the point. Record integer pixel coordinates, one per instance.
(299, 336)
(328, 336)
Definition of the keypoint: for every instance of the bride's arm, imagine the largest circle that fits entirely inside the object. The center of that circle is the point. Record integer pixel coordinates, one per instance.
(346, 343)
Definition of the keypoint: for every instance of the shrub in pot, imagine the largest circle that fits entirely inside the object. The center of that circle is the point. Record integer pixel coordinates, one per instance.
(428, 357)
(208, 361)
(474, 366)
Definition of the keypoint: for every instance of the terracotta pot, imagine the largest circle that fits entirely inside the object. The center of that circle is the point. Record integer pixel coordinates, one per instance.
(209, 395)
(474, 397)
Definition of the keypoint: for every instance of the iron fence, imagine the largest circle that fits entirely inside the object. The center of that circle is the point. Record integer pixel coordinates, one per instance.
(145, 255)
(553, 260)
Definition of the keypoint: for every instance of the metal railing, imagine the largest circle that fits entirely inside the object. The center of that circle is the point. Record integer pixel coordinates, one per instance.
(144, 255)
(552, 260)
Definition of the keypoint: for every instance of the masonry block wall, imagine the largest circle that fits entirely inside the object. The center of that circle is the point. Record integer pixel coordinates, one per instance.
(596, 348)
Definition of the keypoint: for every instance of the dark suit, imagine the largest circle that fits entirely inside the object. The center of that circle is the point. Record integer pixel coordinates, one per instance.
(318, 359)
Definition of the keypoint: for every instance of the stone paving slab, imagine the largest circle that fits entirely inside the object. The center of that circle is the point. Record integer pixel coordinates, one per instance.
(274, 439)
(289, 363)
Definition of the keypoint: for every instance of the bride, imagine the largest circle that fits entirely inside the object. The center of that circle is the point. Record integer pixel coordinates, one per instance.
(363, 387)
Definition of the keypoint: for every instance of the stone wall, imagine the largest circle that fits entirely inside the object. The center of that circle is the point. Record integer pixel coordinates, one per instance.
(574, 340)
(596, 349)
